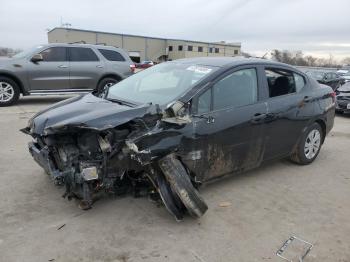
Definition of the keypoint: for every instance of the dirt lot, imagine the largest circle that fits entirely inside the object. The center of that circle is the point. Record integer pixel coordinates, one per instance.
(267, 206)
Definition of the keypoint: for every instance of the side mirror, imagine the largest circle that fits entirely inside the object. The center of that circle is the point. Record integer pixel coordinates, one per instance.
(174, 109)
(37, 58)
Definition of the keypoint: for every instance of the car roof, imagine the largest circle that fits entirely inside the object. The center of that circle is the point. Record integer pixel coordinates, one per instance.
(81, 45)
(229, 61)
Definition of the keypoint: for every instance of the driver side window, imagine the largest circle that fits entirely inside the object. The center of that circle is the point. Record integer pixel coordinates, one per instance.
(54, 54)
(235, 90)
(204, 102)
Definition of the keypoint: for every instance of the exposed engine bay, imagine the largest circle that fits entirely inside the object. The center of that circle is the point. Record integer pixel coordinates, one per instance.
(139, 157)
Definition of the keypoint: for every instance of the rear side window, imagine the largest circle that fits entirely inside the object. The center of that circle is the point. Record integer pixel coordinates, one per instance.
(82, 54)
(283, 82)
(54, 54)
(111, 55)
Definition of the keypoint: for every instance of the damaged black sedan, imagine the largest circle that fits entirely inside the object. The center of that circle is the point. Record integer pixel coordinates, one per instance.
(175, 126)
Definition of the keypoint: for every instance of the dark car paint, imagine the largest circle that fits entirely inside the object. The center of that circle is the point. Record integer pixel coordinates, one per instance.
(211, 145)
(233, 142)
(85, 111)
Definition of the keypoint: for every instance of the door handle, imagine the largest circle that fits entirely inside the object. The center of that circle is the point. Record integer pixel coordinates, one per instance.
(210, 120)
(258, 117)
(62, 66)
(99, 66)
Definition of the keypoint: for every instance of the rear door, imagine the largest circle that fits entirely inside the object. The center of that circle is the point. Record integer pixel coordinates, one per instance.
(51, 74)
(290, 107)
(229, 134)
(86, 68)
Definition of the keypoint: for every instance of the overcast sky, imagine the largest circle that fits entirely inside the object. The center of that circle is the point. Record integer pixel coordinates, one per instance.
(316, 27)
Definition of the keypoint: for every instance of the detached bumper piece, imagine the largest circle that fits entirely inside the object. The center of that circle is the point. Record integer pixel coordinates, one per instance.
(41, 156)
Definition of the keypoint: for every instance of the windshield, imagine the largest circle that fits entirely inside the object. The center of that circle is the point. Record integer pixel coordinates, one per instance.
(27, 52)
(159, 84)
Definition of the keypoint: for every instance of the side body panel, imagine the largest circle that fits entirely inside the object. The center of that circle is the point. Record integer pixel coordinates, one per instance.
(233, 143)
(50, 76)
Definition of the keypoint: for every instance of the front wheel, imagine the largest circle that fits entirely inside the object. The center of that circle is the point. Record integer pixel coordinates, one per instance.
(309, 145)
(9, 91)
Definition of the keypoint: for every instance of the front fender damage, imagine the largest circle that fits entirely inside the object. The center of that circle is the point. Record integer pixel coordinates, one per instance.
(138, 157)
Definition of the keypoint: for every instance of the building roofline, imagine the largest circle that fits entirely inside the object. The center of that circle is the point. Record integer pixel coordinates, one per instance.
(149, 37)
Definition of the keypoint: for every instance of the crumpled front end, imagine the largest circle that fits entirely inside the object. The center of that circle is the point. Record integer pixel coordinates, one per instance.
(139, 157)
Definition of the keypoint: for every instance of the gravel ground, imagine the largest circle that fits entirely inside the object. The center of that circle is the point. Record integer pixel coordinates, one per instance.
(264, 207)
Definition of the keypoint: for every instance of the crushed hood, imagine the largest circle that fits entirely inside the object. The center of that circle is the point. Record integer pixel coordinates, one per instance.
(85, 111)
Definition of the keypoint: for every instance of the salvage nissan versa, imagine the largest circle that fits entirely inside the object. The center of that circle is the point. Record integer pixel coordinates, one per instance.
(169, 129)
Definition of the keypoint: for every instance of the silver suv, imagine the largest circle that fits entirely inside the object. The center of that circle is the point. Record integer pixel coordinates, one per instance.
(62, 69)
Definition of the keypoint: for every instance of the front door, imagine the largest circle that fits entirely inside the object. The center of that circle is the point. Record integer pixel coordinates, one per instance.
(228, 127)
(51, 74)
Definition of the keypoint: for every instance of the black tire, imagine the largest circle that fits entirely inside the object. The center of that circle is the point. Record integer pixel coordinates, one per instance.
(299, 155)
(181, 184)
(104, 83)
(171, 201)
(15, 91)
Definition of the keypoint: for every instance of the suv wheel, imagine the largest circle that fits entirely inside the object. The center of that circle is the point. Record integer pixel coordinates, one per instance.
(309, 145)
(9, 91)
(105, 83)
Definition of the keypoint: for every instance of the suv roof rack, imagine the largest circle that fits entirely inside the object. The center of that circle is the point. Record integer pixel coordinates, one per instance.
(78, 42)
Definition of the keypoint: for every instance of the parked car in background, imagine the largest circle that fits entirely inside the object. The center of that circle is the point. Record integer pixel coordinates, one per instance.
(62, 68)
(342, 72)
(145, 64)
(346, 77)
(168, 129)
(343, 99)
(331, 79)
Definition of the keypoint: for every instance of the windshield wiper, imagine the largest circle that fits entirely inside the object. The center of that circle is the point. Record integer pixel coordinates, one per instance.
(121, 102)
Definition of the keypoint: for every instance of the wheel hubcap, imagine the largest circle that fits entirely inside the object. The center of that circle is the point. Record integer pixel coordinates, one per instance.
(312, 144)
(6, 92)
(109, 84)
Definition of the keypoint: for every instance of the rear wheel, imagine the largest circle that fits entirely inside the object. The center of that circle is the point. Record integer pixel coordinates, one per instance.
(9, 91)
(105, 83)
(309, 145)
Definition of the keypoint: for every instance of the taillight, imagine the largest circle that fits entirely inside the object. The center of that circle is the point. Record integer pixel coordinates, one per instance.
(333, 95)
(132, 68)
